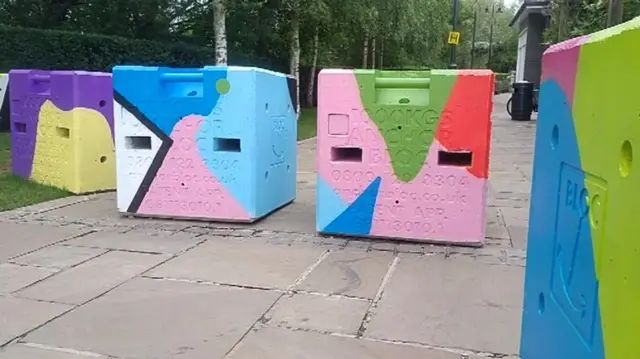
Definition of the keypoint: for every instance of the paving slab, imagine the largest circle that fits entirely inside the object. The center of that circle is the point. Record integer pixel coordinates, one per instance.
(159, 319)
(14, 277)
(58, 256)
(21, 238)
(93, 278)
(518, 235)
(279, 343)
(349, 272)
(141, 240)
(247, 263)
(21, 351)
(19, 316)
(451, 303)
(320, 313)
(297, 217)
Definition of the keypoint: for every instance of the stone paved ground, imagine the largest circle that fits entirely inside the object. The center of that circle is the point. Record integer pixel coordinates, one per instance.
(78, 281)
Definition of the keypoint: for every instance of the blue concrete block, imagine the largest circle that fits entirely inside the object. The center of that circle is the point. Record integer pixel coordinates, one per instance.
(213, 143)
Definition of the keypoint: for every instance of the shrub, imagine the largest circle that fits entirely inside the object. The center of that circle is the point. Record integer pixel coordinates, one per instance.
(63, 50)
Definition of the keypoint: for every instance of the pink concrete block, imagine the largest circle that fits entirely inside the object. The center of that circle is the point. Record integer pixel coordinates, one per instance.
(362, 193)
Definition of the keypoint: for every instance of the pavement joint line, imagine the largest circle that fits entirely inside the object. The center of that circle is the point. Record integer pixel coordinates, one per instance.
(35, 266)
(263, 319)
(18, 296)
(104, 251)
(461, 351)
(65, 350)
(330, 295)
(308, 271)
(215, 284)
(464, 353)
(17, 292)
(116, 249)
(76, 306)
(67, 238)
(376, 299)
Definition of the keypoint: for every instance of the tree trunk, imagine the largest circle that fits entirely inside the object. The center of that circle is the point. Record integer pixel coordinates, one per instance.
(614, 12)
(314, 63)
(365, 50)
(220, 31)
(563, 21)
(295, 54)
(373, 53)
(381, 54)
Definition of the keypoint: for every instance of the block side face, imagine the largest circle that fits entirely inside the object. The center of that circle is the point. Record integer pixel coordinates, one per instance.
(26, 100)
(355, 166)
(465, 120)
(276, 157)
(5, 101)
(227, 139)
(606, 115)
(561, 314)
(193, 171)
(49, 117)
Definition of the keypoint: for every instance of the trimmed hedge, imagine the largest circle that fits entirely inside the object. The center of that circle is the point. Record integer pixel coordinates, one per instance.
(62, 50)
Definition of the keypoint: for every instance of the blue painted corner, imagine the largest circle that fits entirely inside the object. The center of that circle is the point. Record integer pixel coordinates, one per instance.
(358, 217)
(331, 205)
(166, 95)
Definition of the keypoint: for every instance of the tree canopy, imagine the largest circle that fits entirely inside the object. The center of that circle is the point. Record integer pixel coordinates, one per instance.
(354, 33)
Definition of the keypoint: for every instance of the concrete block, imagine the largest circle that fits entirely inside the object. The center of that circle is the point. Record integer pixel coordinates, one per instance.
(404, 154)
(62, 129)
(582, 277)
(215, 143)
(4, 102)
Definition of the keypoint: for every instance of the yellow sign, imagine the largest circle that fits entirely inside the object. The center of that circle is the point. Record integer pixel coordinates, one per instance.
(454, 38)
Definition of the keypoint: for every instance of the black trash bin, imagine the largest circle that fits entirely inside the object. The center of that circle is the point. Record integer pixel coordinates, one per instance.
(522, 101)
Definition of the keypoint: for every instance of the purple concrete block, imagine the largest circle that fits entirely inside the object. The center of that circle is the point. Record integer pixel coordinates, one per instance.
(29, 89)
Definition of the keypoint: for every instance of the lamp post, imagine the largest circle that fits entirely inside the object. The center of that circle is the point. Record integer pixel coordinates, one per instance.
(494, 9)
(454, 24)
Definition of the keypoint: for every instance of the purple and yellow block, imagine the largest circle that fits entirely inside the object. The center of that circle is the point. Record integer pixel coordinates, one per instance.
(62, 129)
(404, 154)
(582, 286)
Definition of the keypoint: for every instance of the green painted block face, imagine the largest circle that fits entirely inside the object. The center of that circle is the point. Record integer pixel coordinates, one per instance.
(406, 108)
(607, 123)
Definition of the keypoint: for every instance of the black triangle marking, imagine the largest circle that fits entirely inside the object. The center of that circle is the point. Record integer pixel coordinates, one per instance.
(167, 142)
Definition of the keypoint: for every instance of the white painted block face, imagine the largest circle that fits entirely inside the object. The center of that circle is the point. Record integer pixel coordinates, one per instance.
(4, 100)
(136, 147)
(4, 87)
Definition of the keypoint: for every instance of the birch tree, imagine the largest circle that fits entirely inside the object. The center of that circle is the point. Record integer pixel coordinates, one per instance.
(220, 31)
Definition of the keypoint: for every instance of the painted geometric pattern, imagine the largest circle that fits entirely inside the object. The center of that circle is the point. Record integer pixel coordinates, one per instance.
(404, 154)
(211, 143)
(4, 102)
(62, 129)
(582, 287)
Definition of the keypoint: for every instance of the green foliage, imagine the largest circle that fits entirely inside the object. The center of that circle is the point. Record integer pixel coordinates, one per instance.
(504, 38)
(503, 83)
(62, 50)
(585, 17)
(407, 33)
(50, 49)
